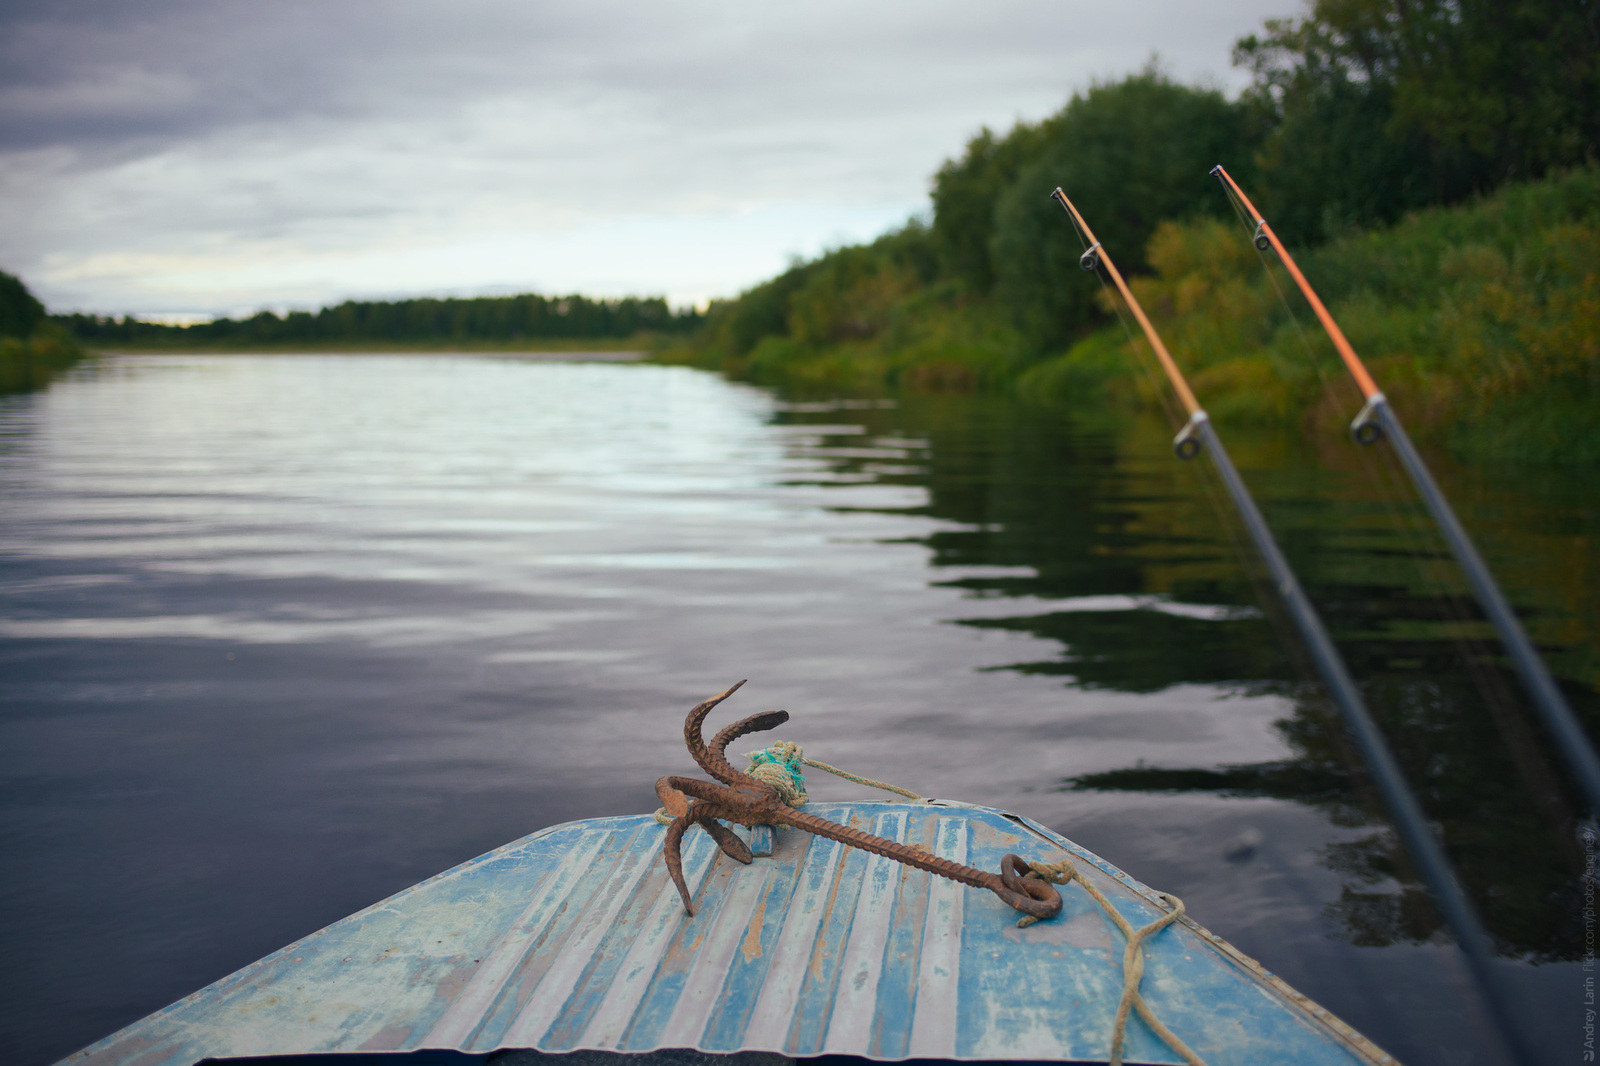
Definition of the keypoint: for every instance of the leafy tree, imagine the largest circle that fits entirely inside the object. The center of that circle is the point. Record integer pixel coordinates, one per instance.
(33, 349)
(1131, 154)
(1377, 107)
(964, 195)
(851, 293)
(738, 325)
(20, 312)
(846, 294)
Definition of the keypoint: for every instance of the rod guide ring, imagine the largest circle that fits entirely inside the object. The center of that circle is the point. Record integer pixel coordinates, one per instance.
(1364, 428)
(1186, 445)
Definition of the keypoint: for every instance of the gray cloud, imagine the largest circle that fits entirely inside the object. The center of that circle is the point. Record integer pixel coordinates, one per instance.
(184, 156)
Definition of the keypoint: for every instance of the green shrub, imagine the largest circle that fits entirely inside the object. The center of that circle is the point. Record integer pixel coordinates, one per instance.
(28, 363)
(33, 349)
(1481, 322)
(1130, 155)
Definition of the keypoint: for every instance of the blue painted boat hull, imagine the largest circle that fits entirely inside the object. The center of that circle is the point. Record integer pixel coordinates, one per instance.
(573, 938)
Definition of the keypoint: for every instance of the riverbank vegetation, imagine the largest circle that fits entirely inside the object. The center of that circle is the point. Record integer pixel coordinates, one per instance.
(490, 322)
(1433, 167)
(33, 349)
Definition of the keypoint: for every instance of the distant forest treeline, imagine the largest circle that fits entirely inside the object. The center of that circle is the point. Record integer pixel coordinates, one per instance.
(1360, 114)
(485, 319)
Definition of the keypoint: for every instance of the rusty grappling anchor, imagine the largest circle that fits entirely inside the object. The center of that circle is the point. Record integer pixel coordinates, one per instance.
(744, 799)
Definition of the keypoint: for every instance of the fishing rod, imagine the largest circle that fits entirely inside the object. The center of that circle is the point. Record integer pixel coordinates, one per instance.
(1197, 435)
(1377, 419)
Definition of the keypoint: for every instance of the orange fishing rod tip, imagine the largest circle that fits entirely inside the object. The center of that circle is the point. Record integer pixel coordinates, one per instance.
(1341, 344)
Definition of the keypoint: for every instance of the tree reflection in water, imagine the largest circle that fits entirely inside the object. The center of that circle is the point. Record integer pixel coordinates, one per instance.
(1094, 506)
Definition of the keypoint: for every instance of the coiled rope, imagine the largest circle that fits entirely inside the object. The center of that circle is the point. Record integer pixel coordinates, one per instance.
(1062, 873)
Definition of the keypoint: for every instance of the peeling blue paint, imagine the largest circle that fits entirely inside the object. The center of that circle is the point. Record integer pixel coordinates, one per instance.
(574, 938)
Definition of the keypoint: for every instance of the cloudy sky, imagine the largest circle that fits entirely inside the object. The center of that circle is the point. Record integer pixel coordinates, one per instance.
(179, 158)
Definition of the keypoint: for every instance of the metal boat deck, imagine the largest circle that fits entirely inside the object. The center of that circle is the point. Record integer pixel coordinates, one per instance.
(573, 938)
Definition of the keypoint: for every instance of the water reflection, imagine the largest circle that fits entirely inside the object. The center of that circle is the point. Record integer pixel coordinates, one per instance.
(1130, 566)
(284, 635)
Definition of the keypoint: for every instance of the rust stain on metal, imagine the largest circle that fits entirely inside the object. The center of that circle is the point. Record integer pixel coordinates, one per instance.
(752, 937)
(1087, 930)
(451, 984)
(819, 948)
(747, 801)
(989, 836)
(388, 1038)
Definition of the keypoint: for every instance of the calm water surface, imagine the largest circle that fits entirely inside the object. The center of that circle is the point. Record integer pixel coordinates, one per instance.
(283, 635)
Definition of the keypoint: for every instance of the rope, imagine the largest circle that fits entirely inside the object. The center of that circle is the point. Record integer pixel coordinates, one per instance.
(1064, 872)
(896, 789)
(779, 764)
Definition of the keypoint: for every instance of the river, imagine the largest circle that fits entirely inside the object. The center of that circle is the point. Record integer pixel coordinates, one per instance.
(282, 635)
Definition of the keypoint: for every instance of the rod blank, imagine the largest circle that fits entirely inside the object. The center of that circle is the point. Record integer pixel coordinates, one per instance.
(1404, 811)
(1572, 744)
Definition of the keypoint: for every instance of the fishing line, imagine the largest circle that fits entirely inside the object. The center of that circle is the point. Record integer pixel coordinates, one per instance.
(1416, 537)
(1378, 419)
(1248, 562)
(1140, 359)
(1419, 539)
(1405, 813)
(1439, 589)
(1138, 348)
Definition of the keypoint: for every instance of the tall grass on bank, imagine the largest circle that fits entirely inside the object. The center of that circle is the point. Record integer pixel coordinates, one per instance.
(864, 316)
(28, 363)
(1481, 322)
(32, 348)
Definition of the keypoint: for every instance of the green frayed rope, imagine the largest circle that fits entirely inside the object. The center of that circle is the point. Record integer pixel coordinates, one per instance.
(779, 763)
(779, 766)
